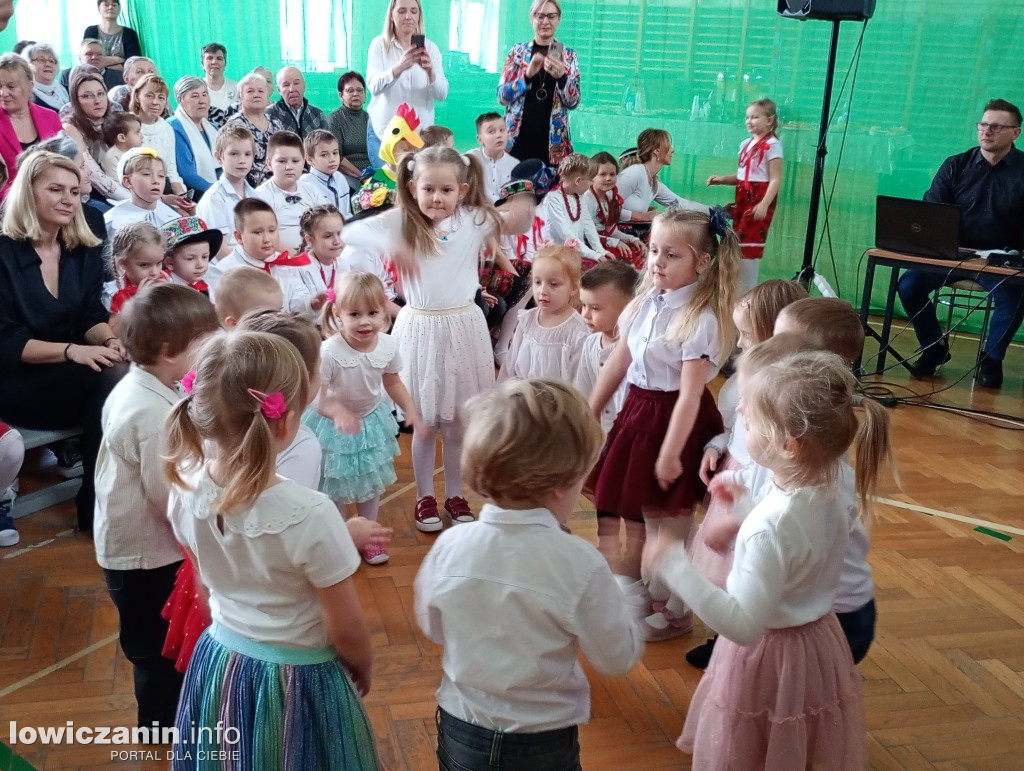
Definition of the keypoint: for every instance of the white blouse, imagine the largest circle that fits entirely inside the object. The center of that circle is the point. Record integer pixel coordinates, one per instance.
(552, 352)
(447, 279)
(759, 171)
(412, 87)
(785, 571)
(356, 378)
(557, 212)
(264, 569)
(658, 363)
(160, 137)
(734, 438)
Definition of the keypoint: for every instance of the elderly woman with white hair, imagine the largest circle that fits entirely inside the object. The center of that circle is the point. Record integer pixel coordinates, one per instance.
(194, 135)
(135, 68)
(253, 98)
(47, 91)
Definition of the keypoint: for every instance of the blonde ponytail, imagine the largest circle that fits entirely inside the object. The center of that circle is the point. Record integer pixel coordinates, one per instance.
(873, 453)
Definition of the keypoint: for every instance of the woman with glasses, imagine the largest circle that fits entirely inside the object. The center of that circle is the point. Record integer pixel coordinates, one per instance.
(540, 83)
(47, 90)
(22, 123)
(348, 124)
(89, 106)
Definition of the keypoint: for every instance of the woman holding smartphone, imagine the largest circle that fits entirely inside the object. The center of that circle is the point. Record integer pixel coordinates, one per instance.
(540, 83)
(402, 66)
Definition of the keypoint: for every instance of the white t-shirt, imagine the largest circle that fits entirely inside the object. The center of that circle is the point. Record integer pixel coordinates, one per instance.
(160, 136)
(288, 207)
(785, 571)
(356, 377)
(448, 279)
(126, 213)
(557, 212)
(225, 96)
(370, 261)
(496, 173)
(264, 569)
(592, 359)
(657, 363)
(412, 87)
(759, 163)
(513, 600)
(637, 196)
(301, 460)
(550, 352)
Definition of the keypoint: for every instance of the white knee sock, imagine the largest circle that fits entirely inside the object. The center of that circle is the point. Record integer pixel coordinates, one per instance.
(369, 508)
(678, 527)
(424, 454)
(451, 454)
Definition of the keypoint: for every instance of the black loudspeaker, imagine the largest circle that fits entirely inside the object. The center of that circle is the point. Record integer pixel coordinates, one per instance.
(829, 10)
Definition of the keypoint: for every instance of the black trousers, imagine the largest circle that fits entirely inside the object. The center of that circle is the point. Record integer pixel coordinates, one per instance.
(139, 596)
(61, 396)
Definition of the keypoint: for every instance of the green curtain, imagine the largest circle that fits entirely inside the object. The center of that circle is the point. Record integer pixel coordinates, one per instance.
(926, 70)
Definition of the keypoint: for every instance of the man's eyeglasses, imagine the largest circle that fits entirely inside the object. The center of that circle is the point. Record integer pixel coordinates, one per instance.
(550, 17)
(995, 128)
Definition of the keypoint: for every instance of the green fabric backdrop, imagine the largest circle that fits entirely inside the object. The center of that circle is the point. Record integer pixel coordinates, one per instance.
(927, 68)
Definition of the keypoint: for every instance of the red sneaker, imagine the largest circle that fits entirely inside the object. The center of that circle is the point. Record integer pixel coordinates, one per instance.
(459, 510)
(428, 520)
(375, 555)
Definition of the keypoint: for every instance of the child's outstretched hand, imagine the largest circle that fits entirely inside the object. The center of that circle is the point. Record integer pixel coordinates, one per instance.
(726, 489)
(488, 298)
(654, 553)
(709, 464)
(318, 301)
(344, 421)
(365, 532)
(714, 180)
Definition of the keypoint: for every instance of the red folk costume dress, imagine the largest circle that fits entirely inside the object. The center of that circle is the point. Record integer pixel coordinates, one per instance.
(187, 616)
(607, 221)
(751, 185)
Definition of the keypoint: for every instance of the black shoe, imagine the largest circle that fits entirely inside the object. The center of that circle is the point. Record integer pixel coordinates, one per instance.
(990, 373)
(931, 359)
(700, 656)
(69, 458)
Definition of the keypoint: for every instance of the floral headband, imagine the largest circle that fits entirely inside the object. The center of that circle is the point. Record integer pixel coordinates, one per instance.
(273, 406)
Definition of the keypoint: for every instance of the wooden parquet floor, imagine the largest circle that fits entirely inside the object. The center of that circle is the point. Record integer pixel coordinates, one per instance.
(943, 683)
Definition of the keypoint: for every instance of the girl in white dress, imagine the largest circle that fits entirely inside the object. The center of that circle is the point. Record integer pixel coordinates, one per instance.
(359, 366)
(548, 340)
(436, 235)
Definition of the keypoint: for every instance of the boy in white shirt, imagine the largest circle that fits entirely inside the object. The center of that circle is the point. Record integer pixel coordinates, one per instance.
(605, 291)
(282, 191)
(541, 594)
(562, 210)
(134, 542)
(492, 135)
(323, 183)
(257, 235)
(234, 151)
(143, 174)
(122, 130)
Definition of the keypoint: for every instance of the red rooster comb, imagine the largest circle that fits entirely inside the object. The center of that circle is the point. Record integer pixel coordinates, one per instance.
(410, 116)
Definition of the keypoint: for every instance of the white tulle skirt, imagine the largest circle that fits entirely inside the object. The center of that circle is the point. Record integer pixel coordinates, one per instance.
(446, 359)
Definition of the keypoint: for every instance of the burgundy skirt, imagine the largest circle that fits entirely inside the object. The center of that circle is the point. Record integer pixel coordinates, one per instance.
(623, 481)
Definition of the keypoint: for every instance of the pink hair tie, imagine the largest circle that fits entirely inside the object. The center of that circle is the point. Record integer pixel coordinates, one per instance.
(273, 406)
(330, 296)
(188, 381)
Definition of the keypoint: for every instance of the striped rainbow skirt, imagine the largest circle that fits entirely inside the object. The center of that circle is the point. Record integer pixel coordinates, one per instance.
(253, 705)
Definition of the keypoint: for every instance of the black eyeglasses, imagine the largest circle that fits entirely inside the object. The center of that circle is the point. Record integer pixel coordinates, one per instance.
(995, 128)
(546, 16)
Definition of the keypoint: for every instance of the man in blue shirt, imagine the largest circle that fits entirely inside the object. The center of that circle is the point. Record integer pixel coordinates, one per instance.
(987, 183)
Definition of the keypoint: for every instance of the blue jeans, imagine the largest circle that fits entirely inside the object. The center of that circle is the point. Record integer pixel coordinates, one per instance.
(859, 628)
(916, 287)
(373, 146)
(462, 746)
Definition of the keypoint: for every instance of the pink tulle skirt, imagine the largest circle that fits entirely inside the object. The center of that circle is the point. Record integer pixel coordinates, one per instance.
(713, 565)
(187, 616)
(791, 700)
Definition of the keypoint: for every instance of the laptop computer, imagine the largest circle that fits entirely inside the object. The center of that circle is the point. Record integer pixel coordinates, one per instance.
(921, 228)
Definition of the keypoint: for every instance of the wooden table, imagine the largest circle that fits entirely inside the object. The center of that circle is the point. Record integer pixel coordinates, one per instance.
(953, 270)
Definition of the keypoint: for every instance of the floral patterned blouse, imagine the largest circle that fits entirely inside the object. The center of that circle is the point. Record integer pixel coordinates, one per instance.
(513, 89)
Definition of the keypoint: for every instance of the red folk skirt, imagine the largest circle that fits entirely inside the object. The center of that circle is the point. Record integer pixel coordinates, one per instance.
(623, 481)
(752, 233)
(187, 616)
(635, 255)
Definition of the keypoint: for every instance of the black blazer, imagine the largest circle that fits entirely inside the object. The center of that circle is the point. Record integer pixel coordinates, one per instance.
(29, 312)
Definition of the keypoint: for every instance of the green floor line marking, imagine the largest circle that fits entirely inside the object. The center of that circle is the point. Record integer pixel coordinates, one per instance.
(993, 533)
(9, 761)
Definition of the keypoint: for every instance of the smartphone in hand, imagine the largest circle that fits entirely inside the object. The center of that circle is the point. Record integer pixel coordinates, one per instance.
(419, 41)
(556, 51)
